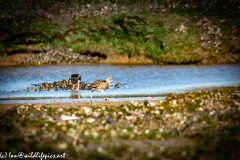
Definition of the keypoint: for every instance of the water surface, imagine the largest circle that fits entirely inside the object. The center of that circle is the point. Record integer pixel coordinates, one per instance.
(142, 81)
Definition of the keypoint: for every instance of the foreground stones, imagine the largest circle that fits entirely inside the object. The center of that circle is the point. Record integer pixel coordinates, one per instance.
(177, 127)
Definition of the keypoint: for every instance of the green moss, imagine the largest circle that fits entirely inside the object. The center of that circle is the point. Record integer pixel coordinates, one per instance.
(192, 106)
(123, 34)
(145, 103)
(151, 34)
(95, 156)
(119, 149)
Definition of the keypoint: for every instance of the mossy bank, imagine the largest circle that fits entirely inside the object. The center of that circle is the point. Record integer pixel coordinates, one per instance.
(176, 32)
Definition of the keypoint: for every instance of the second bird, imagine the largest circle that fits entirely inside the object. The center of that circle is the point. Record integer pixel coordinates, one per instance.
(100, 85)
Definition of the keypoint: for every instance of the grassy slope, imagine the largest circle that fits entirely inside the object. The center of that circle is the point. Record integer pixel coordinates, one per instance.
(146, 33)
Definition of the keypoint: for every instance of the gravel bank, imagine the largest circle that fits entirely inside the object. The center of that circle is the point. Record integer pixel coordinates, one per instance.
(181, 126)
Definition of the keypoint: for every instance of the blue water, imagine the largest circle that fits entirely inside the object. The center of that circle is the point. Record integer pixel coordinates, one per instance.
(141, 80)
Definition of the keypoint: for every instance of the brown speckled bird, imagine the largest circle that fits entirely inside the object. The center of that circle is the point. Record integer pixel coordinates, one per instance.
(100, 85)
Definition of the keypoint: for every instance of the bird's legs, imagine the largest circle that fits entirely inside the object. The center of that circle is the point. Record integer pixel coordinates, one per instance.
(91, 96)
(104, 98)
(102, 94)
(73, 87)
(78, 86)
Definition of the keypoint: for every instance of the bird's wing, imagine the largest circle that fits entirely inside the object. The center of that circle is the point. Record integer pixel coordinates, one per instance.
(96, 84)
(104, 85)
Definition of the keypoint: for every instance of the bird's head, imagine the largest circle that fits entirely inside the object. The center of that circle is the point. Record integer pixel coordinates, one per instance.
(109, 80)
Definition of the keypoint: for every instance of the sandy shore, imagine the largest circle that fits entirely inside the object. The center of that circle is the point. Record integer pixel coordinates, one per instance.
(113, 103)
(68, 104)
(75, 104)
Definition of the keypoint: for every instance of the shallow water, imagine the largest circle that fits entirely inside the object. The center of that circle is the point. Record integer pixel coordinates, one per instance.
(141, 80)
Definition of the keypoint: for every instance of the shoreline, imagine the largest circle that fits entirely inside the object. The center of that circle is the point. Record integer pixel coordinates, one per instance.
(114, 103)
(16, 61)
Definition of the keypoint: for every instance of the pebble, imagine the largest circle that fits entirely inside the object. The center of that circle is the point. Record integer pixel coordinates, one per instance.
(211, 34)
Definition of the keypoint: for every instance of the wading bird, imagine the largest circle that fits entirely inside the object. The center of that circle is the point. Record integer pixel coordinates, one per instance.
(75, 79)
(100, 85)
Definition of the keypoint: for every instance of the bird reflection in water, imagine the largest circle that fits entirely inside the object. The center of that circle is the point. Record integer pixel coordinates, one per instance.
(76, 95)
